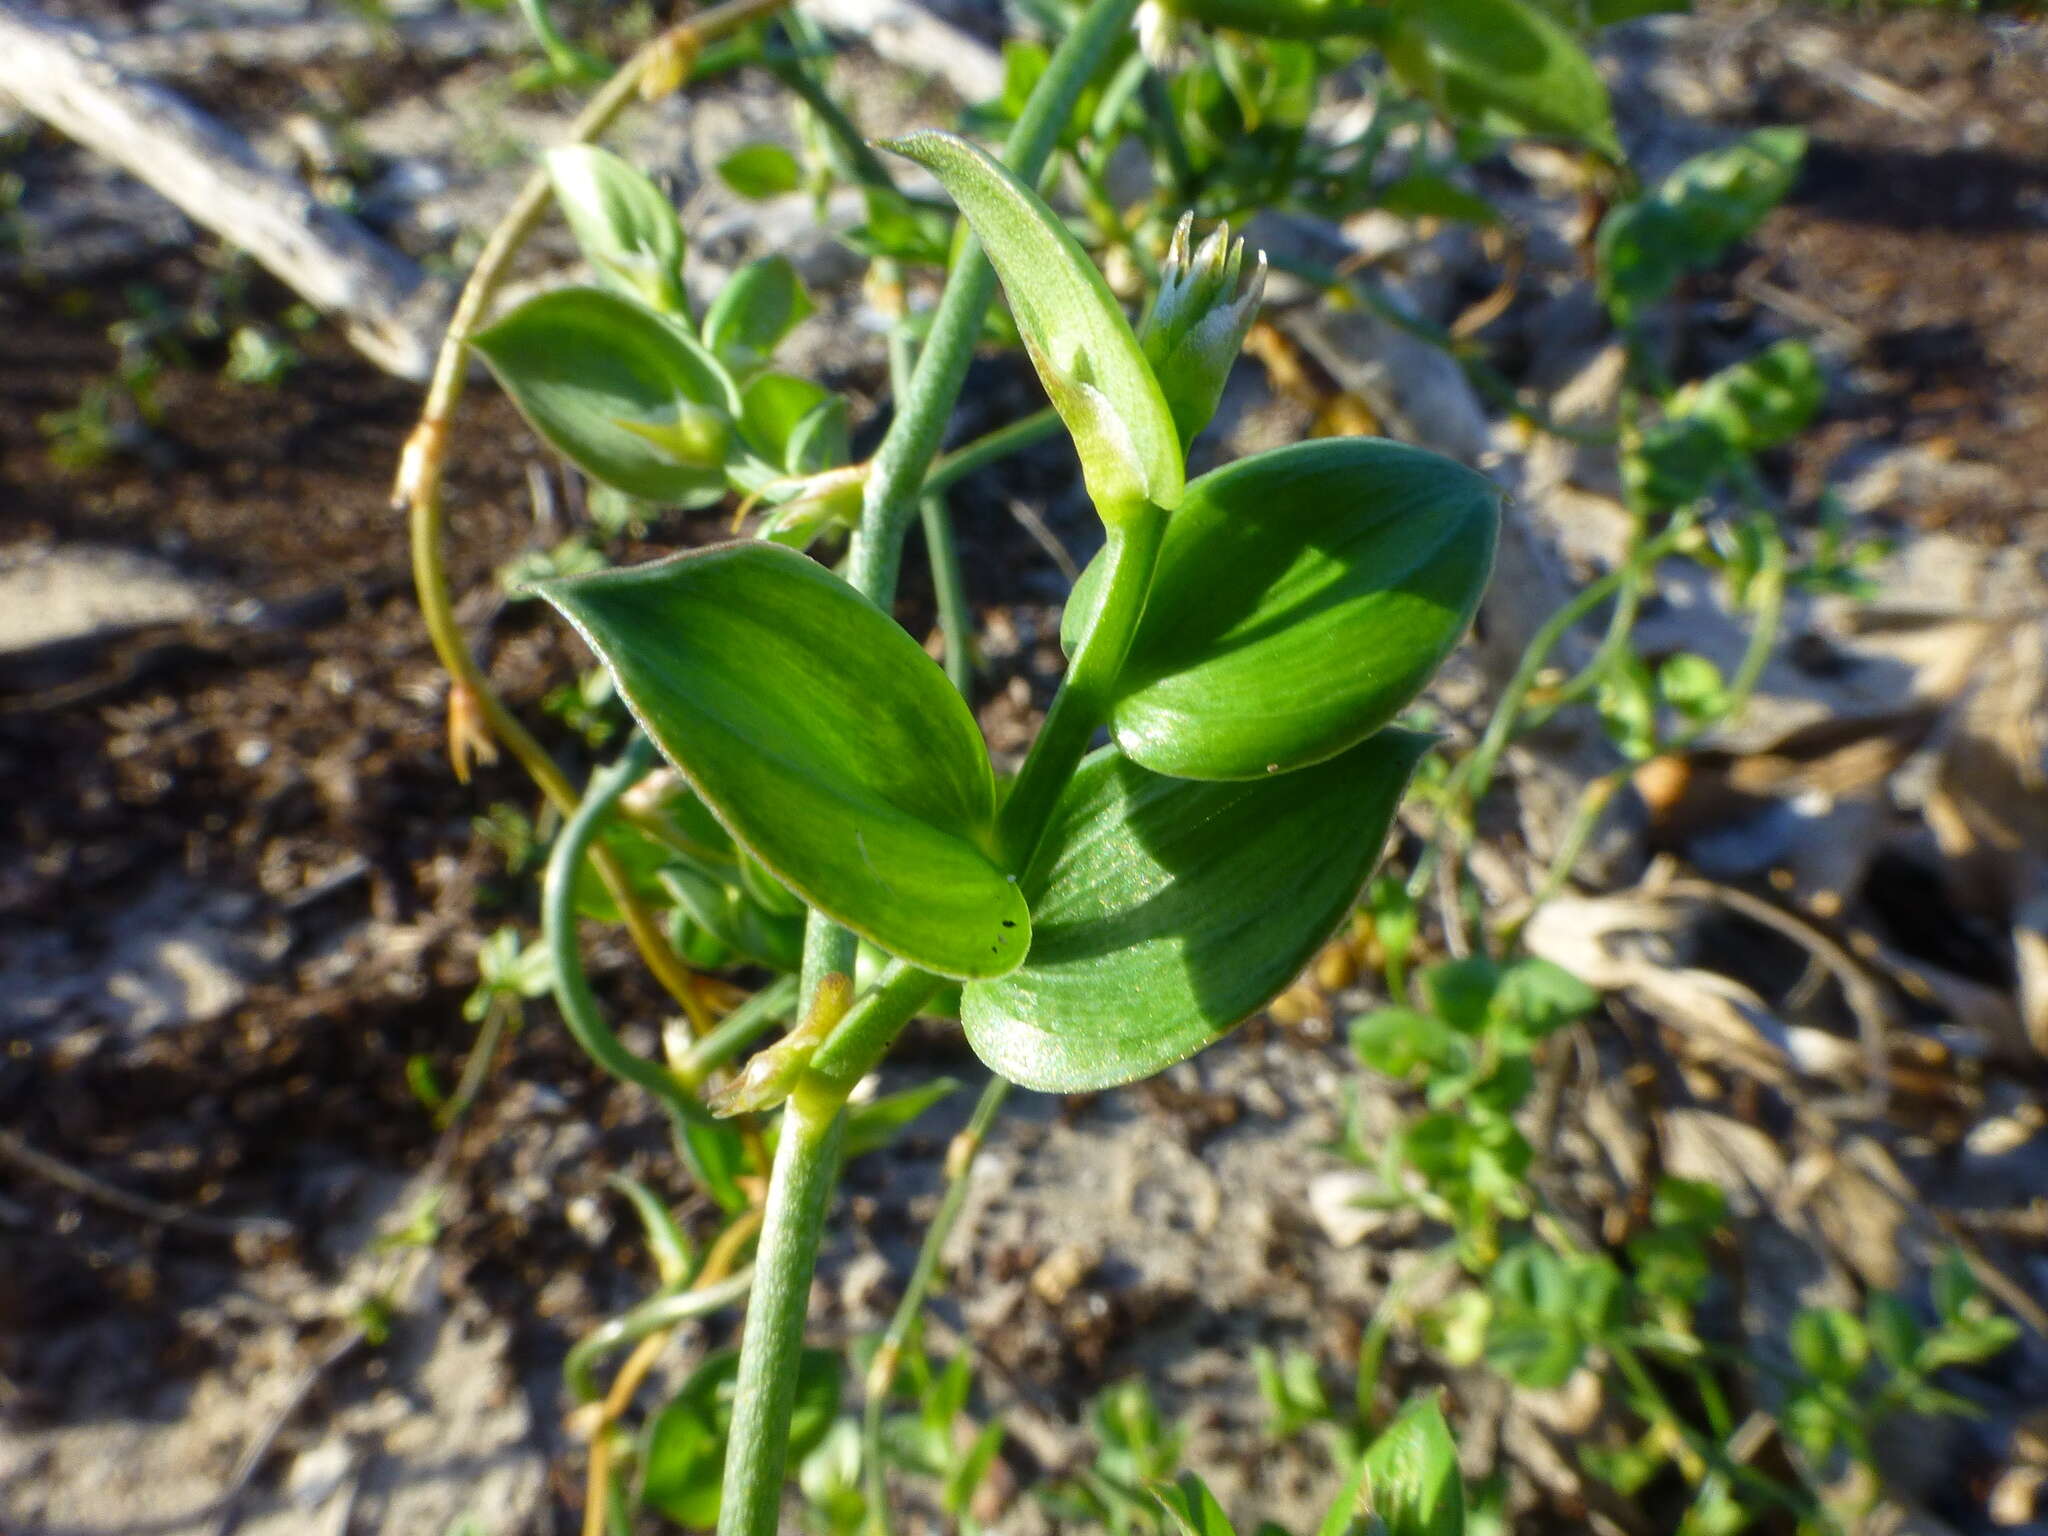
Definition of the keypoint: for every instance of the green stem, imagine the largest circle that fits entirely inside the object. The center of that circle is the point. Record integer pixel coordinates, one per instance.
(801, 1182)
(1619, 626)
(741, 1028)
(806, 1159)
(949, 588)
(942, 550)
(909, 1313)
(799, 1189)
(580, 1010)
(655, 1315)
(963, 461)
(1656, 1406)
(897, 471)
(906, 453)
(1082, 703)
(1472, 778)
(857, 1041)
(1763, 637)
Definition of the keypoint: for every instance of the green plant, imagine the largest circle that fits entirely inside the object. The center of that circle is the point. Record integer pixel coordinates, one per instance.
(1248, 638)
(840, 758)
(876, 804)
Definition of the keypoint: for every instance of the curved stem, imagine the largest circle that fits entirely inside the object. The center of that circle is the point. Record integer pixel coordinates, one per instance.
(655, 1315)
(417, 491)
(960, 1156)
(740, 1028)
(1472, 777)
(1620, 624)
(580, 1010)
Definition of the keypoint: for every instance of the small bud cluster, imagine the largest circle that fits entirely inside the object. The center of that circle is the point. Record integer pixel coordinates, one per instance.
(1198, 322)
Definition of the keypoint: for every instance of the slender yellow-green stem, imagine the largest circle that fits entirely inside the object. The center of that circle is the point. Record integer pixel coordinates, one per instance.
(477, 715)
(960, 1156)
(1078, 709)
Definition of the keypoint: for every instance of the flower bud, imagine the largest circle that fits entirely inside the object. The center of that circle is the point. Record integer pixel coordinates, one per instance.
(1198, 322)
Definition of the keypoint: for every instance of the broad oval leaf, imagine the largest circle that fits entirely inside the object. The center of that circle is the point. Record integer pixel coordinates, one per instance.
(616, 389)
(1165, 910)
(1078, 337)
(1693, 216)
(822, 736)
(1303, 598)
(747, 321)
(626, 228)
(1761, 401)
(758, 171)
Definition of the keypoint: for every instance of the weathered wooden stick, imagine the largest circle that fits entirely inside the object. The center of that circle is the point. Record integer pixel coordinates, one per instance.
(386, 306)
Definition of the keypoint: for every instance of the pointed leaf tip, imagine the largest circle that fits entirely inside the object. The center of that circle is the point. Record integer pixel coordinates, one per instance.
(1073, 328)
(822, 737)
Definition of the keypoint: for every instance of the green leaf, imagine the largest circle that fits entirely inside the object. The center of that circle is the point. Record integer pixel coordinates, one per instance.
(966, 1478)
(1505, 65)
(1693, 216)
(1628, 707)
(747, 321)
(1536, 1336)
(1830, 1344)
(1895, 1332)
(1396, 1041)
(1759, 402)
(1968, 1342)
(901, 229)
(1302, 599)
(1689, 1205)
(604, 380)
(760, 171)
(1954, 1285)
(625, 226)
(1412, 1479)
(1193, 1508)
(684, 1451)
(1693, 686)
(1536, 998)
(1077, 335)
(1461, 992)
(1675, 462)
(874, 1125)
(667, 1244)
(823, 738)
(1164, 910)
(772, 405)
